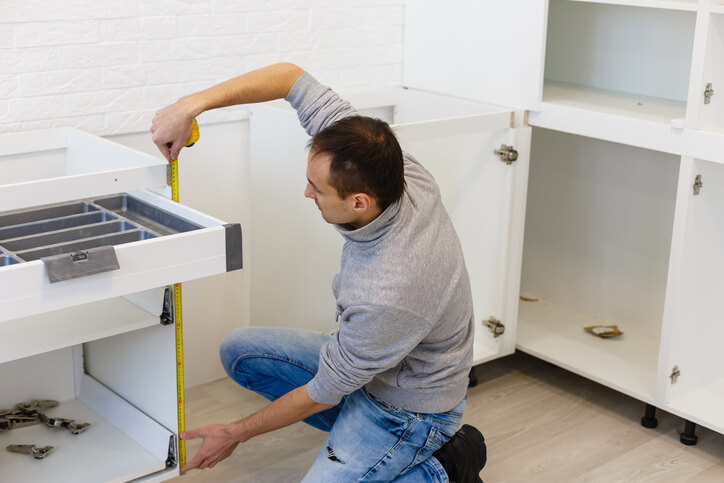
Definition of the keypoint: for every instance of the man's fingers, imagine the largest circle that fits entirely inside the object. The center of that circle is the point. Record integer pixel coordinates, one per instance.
(191, 434)
(195, 463)
(176, 149)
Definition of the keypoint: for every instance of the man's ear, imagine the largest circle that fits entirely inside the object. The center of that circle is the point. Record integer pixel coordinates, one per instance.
(362, 202)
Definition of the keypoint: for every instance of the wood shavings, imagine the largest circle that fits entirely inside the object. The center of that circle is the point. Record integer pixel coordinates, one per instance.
(604, 331)
(528, 298)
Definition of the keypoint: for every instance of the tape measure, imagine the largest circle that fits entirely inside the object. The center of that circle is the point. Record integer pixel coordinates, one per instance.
(178, 314)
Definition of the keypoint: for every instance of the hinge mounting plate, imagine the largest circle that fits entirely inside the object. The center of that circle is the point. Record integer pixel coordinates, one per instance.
(698, 184)
(708, 92)
(675, 373)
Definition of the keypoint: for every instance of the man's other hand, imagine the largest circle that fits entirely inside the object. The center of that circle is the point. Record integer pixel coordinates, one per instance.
(218, 445)
(171, 127)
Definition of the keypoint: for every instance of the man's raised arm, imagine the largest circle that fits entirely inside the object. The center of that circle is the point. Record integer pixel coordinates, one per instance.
(171, 126)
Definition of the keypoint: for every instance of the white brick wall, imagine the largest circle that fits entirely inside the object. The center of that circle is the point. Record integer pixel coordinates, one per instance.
(106, 66)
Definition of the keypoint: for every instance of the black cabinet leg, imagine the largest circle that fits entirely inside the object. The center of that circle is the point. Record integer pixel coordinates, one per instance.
(649, 420)
(472, 378)
(688, 437)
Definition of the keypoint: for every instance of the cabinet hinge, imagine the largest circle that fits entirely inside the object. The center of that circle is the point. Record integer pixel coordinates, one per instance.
(698, 184)
(166, 316)
(675, 373)
(495, 326)
(708, 92)
(506, 153)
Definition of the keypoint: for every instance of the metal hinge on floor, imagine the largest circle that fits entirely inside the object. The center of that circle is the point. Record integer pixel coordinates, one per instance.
(495, 326)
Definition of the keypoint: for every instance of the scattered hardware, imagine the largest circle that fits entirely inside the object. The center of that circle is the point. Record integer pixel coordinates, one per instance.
(73, 427)
(30, 415)
(604, 331)
(37, 452)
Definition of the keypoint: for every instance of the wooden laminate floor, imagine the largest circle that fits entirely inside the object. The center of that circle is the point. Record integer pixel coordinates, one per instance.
(541, 424)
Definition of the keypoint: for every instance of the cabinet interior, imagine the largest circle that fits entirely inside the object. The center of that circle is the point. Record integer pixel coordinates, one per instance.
(629, 59)
(127, 395)
(596, 252)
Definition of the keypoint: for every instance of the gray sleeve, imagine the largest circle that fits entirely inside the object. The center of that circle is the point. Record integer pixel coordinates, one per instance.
(317, 105)
(371, 339)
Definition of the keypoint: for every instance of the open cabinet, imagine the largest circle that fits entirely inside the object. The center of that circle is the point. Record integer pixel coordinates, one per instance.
(609, 103)
(88, 248)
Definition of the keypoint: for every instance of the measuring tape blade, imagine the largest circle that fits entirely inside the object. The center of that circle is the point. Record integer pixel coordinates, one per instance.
(178, 324)
(178, 315)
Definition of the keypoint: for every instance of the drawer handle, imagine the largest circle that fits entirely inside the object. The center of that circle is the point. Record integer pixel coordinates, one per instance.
(81, 264)
(79, 257)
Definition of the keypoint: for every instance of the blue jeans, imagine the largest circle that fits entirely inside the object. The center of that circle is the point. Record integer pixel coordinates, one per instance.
(369, 439)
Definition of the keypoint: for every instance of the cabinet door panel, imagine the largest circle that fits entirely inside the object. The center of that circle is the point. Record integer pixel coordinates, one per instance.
(485, 199)
(693, 328)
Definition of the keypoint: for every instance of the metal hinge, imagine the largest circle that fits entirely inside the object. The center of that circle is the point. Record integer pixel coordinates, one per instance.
(675, 373)
(506, 153)
(171, 459)
(698, 184)
(495, 326)
(167, 312)
(708, 92)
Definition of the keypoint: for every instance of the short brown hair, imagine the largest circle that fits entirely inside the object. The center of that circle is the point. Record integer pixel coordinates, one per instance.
(366, 158)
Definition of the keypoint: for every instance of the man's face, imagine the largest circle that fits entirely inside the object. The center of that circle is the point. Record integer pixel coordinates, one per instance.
(334, 209)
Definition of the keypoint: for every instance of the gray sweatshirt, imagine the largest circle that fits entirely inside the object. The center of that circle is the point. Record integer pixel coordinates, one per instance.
(403, 295)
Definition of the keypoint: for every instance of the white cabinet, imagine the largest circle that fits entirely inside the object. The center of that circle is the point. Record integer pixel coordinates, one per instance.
(87, 249)
(614, 234)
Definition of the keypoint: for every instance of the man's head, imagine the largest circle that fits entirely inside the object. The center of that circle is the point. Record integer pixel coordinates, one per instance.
(354, 170)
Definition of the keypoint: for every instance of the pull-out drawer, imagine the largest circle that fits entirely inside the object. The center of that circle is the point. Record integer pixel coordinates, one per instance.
(76, 252)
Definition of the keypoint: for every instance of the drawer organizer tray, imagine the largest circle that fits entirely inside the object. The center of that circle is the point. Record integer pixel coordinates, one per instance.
(74, 252)
(68, 228)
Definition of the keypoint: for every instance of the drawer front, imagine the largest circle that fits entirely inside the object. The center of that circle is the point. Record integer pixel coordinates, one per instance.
(49, 252)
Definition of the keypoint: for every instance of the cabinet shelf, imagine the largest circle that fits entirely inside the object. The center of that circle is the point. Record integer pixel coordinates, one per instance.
(71, 326)
(627, 364)
(689, 5)
(614, 116)
(102, 453)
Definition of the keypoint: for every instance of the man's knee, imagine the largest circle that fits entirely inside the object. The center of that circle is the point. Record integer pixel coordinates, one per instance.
(237, 345)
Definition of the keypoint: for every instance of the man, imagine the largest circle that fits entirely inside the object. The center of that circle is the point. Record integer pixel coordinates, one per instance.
(389, 386)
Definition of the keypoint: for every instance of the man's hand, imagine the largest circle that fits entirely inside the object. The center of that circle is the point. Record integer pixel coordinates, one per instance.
(171, 127)
(218, 445)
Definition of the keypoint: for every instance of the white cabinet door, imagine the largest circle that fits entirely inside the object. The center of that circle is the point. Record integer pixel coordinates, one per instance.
(452, 138)
(485, 198)
(491, 50)
(691, 376)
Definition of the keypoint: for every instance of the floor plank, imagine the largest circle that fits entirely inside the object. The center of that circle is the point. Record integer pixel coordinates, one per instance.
(541, 424)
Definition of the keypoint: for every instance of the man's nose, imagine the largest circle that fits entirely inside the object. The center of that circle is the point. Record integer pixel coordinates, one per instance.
(309, 191)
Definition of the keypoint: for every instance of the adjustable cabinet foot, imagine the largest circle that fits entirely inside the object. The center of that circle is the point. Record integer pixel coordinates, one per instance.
(688, 437)
(649, 419)
(472, 378)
